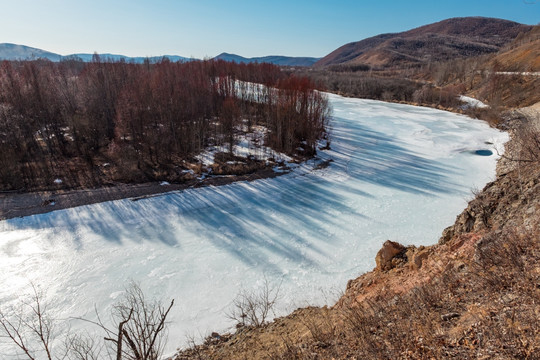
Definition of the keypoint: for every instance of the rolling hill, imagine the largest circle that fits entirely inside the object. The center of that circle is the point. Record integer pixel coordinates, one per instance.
(444, 40)
(20, 52)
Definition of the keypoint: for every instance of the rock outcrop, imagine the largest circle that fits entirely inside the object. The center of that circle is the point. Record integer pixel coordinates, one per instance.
(388, 252)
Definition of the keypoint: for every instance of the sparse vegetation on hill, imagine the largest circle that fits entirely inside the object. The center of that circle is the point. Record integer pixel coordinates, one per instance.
(503, 80)
(523, 54)
(445, 40)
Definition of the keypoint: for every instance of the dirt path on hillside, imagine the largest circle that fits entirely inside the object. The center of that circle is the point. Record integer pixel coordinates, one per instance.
(14, 204)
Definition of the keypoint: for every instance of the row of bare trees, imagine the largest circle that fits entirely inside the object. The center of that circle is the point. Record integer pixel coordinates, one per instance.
(142, 117)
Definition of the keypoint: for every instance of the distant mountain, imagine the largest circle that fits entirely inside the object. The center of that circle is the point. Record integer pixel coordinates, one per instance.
(276, 60)
(22, 52)
(137, 60)
(444, 40)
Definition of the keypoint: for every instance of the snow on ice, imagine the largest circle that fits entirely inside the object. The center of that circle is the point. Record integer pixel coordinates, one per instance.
(397, 172)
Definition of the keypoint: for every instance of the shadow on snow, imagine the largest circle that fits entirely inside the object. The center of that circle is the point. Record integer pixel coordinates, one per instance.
(286, 216)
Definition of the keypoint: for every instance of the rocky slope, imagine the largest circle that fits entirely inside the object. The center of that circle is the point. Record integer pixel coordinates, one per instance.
(474, 295)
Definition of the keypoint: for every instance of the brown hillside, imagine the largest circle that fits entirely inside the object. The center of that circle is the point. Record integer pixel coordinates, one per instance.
(351, 51)
(522, 55)
(444, 40)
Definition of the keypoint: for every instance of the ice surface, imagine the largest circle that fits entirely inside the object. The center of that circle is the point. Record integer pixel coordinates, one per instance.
(398, 172)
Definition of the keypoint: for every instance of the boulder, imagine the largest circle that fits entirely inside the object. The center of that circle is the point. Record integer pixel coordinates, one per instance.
(389, 250)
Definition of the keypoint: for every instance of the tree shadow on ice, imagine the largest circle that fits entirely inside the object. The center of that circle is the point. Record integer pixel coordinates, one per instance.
(376, 158)
(256, 222)
(286, 219)
(120, 222)
(308, 204)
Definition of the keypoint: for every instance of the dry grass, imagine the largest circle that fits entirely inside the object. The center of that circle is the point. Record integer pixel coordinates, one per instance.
(484, 304)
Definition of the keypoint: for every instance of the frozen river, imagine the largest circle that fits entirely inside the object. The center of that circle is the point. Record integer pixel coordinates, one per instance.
(398, 172)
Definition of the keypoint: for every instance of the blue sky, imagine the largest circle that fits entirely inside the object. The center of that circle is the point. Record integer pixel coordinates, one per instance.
(202, 28)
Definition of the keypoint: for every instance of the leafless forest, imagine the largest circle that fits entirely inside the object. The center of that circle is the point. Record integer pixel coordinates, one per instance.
(103, 122)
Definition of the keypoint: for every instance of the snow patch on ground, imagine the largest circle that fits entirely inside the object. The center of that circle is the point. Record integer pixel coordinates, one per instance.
(249, 143)
(472, 102)
(522, 73)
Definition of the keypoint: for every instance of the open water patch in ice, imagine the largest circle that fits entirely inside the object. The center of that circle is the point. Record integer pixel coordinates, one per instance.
(484, 152)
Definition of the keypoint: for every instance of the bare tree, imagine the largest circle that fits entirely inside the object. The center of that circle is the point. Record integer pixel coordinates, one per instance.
(29, 327)
(145, 120)
(253, 308)
(140, 333)
(82, 347)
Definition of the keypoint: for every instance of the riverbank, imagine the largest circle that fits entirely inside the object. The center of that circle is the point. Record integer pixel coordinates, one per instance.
(393, 166)
(13, 204)
(19, 204)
